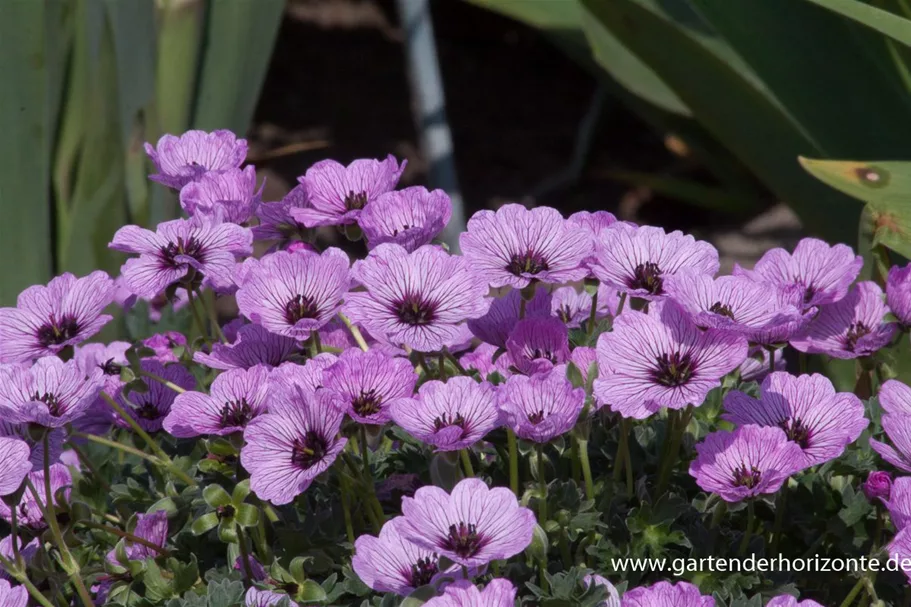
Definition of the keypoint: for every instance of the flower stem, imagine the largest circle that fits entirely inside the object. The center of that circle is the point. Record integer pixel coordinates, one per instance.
(441, 366)
(14, 532)
(209, 305)
(678, 431)
(592, 315)
(23, 578)
(135, 427)
(355, 332)
(168, 384)
(455, 362)
(803, 360)
(466, 463)
(853, 594)
(748, 534)
(542, 484)
(128, 536)
(771, 361)
(168, 464)
(621, 304)
(522, 304)
(368, 477)
(244, 554)
(346, 507)
(780, 506)
(85, 461)
(200, 325)
(513, 461)
(586, 469)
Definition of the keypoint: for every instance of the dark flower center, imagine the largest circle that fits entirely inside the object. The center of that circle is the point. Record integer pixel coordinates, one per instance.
(797, 431)
(423, 571)
(537, 417)
(413, 310)
(54, 406)
(809, 294)
(148, 411)
(109, 367)
(355, 202)
(446, 420)
(747, 478)
(367, 403)
(647, 276)
(236, 413)
(528, 262)
(56, 331)
(309, 450)
(538, 354)
(463, 539)
(564, 313)
(223, 512)
(191, 248)
(855, 332)
(722, 310)
(300, 307)
(674, 370)
(395, 231)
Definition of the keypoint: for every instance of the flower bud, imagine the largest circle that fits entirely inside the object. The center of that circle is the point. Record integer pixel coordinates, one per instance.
(878, 485)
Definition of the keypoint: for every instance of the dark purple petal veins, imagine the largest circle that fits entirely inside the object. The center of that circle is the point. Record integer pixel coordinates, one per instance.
(299, 308)
(54, 406)
(445, 421)
(413, 310)
(367, 403)
(528, 262)
(647, 276)
(673, 370)
(855, 332)
(191, 248)
(747, 478)
(58, 331)
(722, 310)
(463, 539)
(309, 450)
(423, 571)
(797, 431)
(355, 202)
(236, 413)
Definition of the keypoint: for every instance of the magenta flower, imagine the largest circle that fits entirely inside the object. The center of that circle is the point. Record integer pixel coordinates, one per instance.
(542, 407)
(150, 527)
(471, 527)
(183, 159)
(418, 299)
(516, 245)
(232, 191)
(664, 594)
(821, 273)
(276, 222)
(787, 600)
(252, 345)
(293, 294)
(13, 596)
(852, 327)
(613, 599)
(28, 511)
(367, 384)
(15, 463)
(487, 359)
(895, 398)
(264, 598)
(637, 260)
(49, 318)
(878, 486)
(450, 416)
(498, 593)
(410, 217)
(150, 408)
(536, 345)
(899, 502)
(735, 303)
(50, 393)
(495, 326)
(291, 445)
(574, 307)
(308, 377)
(898, 293)
(391, 563)
(235, 398)
(338, 193)
(662, 359)
(750, 461)
(163, 344)
(186, 251)
(821, 421)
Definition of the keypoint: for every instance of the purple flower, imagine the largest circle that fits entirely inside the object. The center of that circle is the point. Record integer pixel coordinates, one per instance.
(498, 593)
(15, 463)
(542, 407)
(898, 293)
(664, 594)
(50, 393)
(163, 344)
(264, 598)
(276, 222)
(257, 571)
(418, 299)
(895, 398)
(391, 563)
(593, 222)
(183, 159)
(235, 398)
(191, 252)
(747, 462)
(26, 551)
(109, 358)
(878, 486)
(852, 327)
(821, 273)
(613, 599)
(756, 366)
(735, 303)
(410, 217)
(150, 408)
(56, 438)
(396, 486)
(150, 527)
(308, 377)
(253, 345)
(471, 527)
(367, 384)
(662, 359)
(495, 326)
(583, 358)
(482, 360)
(291, 445)
(786, 600)
(28, 511)
(338, 193)
(637, 260)
(450, 416)
(293, 294)
(900, 551)
(49, 318)
(574, 307)
(899, 502)
(516, 245)
(232, 191)
(12, 596)
(536, 345)
(821, 421)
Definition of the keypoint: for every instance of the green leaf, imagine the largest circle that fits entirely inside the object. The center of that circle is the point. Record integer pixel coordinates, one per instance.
(241, 491)
(247, 515)
(216, 496)
(886, 23)
(157, 586)
(311, 591)
(225, 593)
(204, 523)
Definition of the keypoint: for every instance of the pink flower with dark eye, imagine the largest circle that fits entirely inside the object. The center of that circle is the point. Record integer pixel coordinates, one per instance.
(183, 159)
(368, 384)
(231, 192)
(411, 217)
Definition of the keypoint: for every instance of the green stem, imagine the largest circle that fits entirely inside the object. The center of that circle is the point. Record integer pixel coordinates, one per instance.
(513, 461)
(136, 427)
(576, 467)
(780, 506)
(128, 536)
(368, 477)
(441, 366)
(209, 305)
(565, 549)
(853, 594)
(466, 463)
(133, 451)
(346, 507)
(621, 304)
(200, 325)
(455, 362)
(622, 448)
(355, 332)
(244, 554)
(168, 384)
(803, 362)
(771, 360)
(542, 484)
(593, 315)
(23, 578)
(586, 470)
(748, 534)
(678, 432)
(87, 462)
(14, 532)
